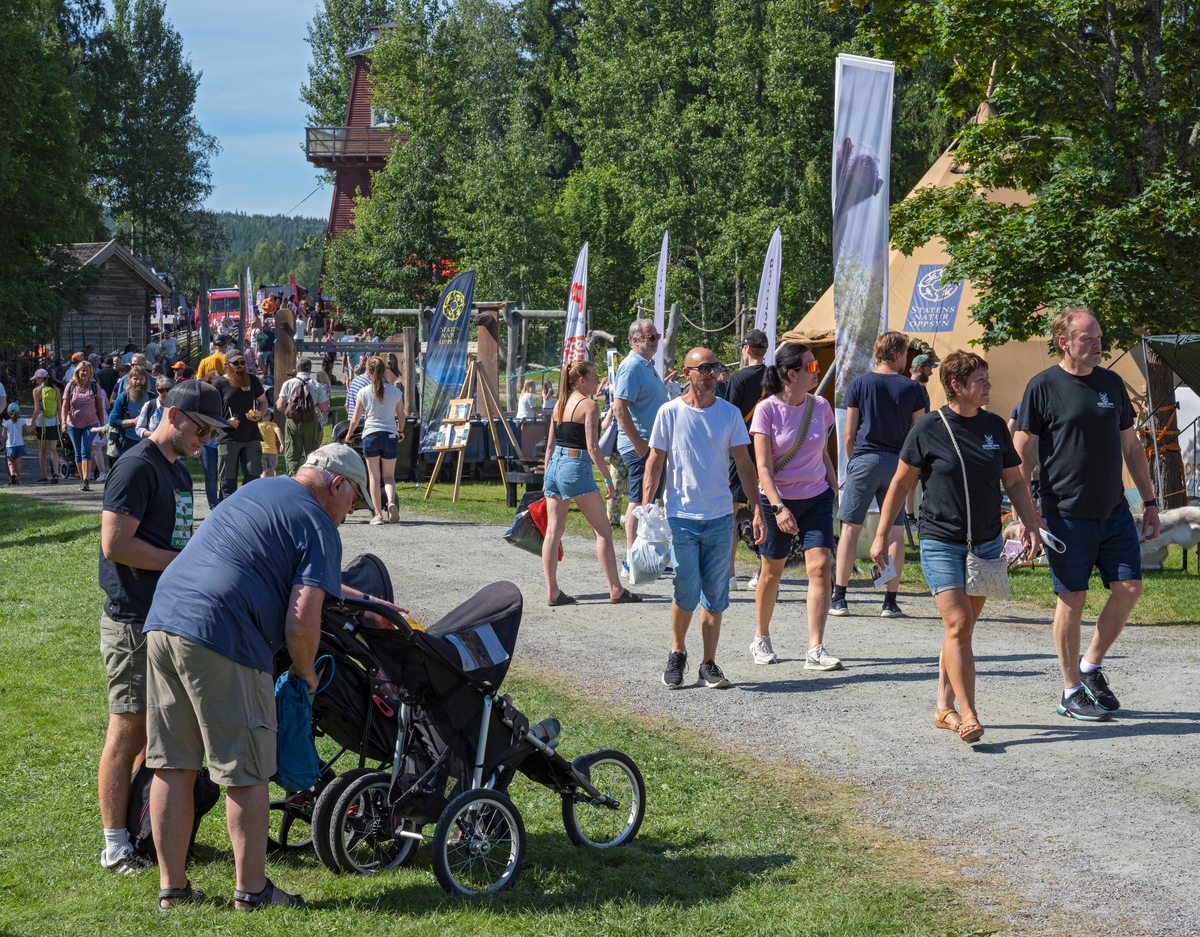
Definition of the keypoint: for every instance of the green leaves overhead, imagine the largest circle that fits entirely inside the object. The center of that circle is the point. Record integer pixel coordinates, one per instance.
(537, 126)
(1097, 107)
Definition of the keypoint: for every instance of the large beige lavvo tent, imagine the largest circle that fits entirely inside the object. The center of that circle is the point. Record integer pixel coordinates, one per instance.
(921, 306)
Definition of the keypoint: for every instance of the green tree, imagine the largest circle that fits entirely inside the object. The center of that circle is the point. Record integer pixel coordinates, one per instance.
(1095, 112)
(43, 200)
(339, 26)
(152, 165)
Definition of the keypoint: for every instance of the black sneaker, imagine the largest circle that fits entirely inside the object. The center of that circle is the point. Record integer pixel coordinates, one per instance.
(890, 609)
(838, 608)
(1097, 686)
(1080, 705)
(676, 668)
(711, 674)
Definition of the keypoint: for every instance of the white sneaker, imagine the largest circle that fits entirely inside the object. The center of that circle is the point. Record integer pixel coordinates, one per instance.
(760, 649)
(733, 584)
(103, 476)
(753, 583)
(820, 659)
(124, 861)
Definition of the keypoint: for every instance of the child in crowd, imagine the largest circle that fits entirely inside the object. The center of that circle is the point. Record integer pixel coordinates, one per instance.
(13, 428)
(271, 443)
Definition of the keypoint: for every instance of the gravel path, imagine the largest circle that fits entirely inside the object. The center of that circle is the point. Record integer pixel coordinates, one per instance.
(1096, 824)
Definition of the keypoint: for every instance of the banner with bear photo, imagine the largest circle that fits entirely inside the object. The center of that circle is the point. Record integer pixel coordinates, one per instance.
(446, 355)
(862, 152)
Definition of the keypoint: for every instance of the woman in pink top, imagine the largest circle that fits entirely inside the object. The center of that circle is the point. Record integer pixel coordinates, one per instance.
(82, 414)
(797, 482)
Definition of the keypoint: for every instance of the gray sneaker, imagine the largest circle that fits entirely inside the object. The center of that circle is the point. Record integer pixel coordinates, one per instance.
(1080, 705)
(124, 861)
(820, 659)
(761, 651)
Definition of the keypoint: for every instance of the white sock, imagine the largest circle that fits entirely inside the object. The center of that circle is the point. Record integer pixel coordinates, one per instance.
(1086, 667)
(1071, 689)
(115, 839)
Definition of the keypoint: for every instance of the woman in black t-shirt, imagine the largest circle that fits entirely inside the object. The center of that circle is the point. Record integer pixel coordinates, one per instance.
(929, 452)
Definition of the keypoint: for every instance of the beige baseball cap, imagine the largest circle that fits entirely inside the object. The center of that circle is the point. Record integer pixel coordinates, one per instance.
(340, 459)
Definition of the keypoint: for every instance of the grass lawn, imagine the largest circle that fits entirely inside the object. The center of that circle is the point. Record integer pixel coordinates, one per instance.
(729, 845)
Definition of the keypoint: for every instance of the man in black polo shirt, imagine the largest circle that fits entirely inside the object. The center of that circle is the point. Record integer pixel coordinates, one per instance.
(1080, 416)
(744, 392)
(147, 520)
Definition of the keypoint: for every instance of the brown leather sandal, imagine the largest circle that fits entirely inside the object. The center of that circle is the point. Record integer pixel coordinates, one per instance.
(947, 719)
(970, 731)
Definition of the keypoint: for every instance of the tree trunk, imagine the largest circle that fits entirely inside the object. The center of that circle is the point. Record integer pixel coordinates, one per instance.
(1167, 474)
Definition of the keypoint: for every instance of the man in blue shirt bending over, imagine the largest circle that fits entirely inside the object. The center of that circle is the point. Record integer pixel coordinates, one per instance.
(250, 582)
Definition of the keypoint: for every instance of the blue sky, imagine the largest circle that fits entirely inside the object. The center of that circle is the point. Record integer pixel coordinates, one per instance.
(254, 59)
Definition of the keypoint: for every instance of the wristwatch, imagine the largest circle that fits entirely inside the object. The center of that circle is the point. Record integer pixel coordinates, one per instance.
(776, 508)
(1149, 503)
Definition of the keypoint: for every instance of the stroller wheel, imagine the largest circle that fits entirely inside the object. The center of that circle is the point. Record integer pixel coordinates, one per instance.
(479, 843)
(361, 829)
(323, 812)
(615, 775)
(291, 823)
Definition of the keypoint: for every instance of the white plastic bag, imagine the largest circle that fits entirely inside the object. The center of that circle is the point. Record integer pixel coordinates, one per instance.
(651, 550)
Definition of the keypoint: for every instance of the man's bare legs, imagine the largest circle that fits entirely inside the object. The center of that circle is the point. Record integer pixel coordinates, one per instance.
(124, 748)
(1069, 613)
(710, 630)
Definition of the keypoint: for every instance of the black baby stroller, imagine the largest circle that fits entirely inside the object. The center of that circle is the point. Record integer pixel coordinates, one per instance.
(458, 745)
(355, 707)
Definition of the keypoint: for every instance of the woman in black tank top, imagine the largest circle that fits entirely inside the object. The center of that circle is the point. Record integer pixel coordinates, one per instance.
(572, 450)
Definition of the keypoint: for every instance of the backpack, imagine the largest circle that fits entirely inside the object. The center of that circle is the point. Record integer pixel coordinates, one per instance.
(49, 402)
(205, 794)
(265, 341)
(301, 407)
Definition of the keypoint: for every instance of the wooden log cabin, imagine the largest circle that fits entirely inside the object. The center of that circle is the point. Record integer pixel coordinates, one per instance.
(118, 308)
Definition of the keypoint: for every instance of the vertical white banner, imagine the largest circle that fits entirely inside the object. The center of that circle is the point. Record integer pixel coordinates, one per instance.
(862, 151)
(767, 304)
(575, 334)
(251, 299)
(660, 306)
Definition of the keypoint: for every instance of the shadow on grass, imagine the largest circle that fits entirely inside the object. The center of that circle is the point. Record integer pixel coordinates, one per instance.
(558, 876)
(44, 537)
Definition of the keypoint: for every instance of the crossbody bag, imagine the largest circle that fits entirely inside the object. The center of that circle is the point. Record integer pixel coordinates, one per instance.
(988, 578)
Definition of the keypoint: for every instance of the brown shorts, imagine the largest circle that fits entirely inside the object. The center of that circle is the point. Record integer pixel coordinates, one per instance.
(202, 705)
(123, 647)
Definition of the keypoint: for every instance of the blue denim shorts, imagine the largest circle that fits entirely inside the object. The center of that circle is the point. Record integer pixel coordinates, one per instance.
(381, 445)
(868, 477)
(945, 564)
(701, 551)
(569, 476)
(1109, 545)
(814, 517)
(81, 442)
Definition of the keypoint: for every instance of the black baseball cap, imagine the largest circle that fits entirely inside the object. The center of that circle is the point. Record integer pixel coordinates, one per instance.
(221, 340)
(756, 338)
(199, 400)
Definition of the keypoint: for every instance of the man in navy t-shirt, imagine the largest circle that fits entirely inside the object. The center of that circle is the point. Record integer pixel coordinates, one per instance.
(880, 408)
(250, 582)
(1080, 416)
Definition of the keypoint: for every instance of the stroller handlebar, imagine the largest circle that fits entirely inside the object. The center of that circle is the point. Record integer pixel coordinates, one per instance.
(382, 609)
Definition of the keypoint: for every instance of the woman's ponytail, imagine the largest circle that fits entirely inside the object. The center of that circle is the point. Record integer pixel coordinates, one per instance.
(789, 357)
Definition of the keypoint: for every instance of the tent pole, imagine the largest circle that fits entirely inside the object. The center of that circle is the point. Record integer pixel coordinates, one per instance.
(1153, 418)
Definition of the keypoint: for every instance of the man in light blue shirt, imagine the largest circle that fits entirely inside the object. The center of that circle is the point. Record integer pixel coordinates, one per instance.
(638, 395)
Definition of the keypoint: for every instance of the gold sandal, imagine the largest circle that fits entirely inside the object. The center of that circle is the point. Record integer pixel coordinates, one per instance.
(947, 719)
(970, 732)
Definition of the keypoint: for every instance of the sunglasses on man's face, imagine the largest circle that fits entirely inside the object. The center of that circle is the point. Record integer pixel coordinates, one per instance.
(203, 430)
(707, 368)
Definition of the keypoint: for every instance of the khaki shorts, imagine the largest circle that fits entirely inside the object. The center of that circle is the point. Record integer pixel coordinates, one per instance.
(202, 705)
(123, 647)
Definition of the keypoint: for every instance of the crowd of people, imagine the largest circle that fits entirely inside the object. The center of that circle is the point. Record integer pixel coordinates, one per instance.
(189, 646)
(762, 441)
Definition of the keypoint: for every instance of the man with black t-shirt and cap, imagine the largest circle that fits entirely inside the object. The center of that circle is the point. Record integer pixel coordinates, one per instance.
(744, 392)
(1080, 416)
(147, 520)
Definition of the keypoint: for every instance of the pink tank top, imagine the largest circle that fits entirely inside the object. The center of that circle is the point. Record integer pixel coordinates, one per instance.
(81, 406)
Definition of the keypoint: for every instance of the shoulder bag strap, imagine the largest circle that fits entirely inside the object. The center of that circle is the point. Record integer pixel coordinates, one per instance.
(809, 406)
(963, 464)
